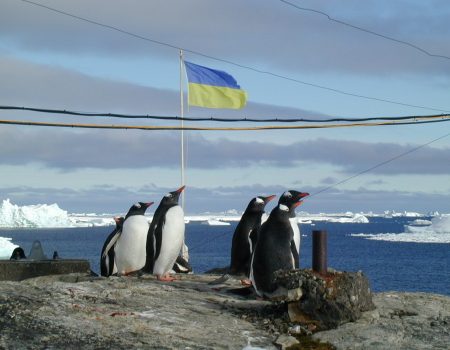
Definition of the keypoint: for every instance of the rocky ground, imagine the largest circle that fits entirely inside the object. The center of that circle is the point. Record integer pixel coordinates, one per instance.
(76, 311)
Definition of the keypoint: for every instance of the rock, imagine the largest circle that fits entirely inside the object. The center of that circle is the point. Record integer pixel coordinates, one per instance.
(80, 311)
(124, 312)
(325, 301)
(403, 321)
(17, 270)
(284, 341)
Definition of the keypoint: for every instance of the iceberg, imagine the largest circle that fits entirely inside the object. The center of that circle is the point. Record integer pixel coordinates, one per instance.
(216, 222)
(6, 248)
(349, 217)
(40, 215)
(437, 231)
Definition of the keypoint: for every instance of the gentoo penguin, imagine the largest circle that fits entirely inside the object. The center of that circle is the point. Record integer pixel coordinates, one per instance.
(165, 237)
(130, 246)
(36, 252)
(18, 254)
(274, 250)
(288, 198)
(245, 235)
(107, 259)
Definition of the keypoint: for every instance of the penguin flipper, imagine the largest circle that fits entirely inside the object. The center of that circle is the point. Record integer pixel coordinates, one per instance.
(158, 238)
(150, 248)
(110, 242)
(295, 255)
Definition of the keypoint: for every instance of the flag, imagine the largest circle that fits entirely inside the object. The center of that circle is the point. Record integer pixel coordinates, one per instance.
(213, 88)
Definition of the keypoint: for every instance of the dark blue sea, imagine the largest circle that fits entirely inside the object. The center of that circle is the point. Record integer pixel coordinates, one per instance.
(399, 266)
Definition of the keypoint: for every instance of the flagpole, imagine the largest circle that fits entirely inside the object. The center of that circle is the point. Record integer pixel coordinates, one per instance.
(184, 248)
(182, 131)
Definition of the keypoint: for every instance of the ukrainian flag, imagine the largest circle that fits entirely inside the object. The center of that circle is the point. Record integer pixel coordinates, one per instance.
(213, 88)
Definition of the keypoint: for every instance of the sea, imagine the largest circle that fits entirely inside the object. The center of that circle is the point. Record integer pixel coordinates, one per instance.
(389, 265)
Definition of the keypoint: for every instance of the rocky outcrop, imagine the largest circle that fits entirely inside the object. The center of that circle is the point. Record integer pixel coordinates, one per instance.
(401, 321)
(326, 301)
(79, 311)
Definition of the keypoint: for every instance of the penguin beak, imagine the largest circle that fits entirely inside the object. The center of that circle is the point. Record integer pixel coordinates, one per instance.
(297, 204)
(303, 195)
(181, 189)
(149, 204)
(300, 196)
(269, 198)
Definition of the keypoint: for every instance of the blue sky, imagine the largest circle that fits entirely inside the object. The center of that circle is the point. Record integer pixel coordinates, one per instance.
(50, 60)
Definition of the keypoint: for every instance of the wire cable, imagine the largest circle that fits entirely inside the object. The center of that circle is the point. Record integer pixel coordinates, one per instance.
(378, 165)
(204, 128)
(365, 30)
(217, 119)
(257, 70)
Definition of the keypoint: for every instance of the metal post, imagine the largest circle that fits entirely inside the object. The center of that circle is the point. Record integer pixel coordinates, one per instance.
(319, 253)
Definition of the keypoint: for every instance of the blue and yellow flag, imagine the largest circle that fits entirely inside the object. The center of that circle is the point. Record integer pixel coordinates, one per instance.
(213, 88)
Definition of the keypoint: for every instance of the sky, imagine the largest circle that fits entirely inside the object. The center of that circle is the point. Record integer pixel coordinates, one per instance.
(279, 54)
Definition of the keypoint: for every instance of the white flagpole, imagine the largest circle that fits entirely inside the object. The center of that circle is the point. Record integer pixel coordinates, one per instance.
(182, 131)
(184, 248)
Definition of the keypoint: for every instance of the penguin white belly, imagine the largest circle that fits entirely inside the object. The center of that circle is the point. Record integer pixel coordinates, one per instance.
(296, 230)
(172, 241)
(250, 243)
(130, 249)
(252, 277)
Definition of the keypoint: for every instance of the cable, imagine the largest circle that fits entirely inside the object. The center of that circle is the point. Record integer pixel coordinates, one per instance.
(379, 165)
(365, 30)
(204, 128)
(230, 62)
(216, 119)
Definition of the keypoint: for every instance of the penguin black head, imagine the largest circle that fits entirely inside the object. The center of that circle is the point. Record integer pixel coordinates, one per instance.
(138, 208)
(171, 198)
(292, 198)
(258, 204)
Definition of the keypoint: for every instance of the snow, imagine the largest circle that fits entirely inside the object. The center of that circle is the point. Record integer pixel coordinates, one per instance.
(6, 247)
(438, 231)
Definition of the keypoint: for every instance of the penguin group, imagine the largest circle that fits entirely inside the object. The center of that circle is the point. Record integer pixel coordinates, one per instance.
(135, 246)
(261, 244)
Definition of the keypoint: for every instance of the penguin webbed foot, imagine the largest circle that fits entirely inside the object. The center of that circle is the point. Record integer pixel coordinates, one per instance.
(165, 278)
(246, 282)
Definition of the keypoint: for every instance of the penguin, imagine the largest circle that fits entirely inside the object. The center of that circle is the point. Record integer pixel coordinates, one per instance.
(37, 252)
(129, 249)
(274, 250)
(165, 237)
(18, 254)
(288, 198)
(245, 235)
(107, 259)
(181, 266)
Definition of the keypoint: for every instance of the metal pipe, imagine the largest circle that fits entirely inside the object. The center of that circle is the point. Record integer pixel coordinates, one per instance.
(319, 253)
